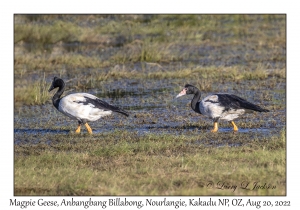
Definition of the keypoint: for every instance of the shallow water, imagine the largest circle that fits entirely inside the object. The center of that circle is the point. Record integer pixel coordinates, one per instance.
(152, 109)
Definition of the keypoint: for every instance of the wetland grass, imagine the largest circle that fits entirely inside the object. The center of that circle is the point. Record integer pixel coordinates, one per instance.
(159, 38)
(141, 61)
(31, 92)
(123, 163)
(214, 48)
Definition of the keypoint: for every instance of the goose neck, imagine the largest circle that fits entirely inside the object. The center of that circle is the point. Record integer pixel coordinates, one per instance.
(196, 100)
(57, 95)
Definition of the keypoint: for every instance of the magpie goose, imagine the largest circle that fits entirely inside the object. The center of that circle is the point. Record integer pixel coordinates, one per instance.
(82, 107)
(220, 106)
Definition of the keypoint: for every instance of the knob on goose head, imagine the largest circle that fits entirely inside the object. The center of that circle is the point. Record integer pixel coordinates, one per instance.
(57, 82)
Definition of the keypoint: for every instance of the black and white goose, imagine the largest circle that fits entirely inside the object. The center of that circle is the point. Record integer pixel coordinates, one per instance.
(82, 107)
(220, 106)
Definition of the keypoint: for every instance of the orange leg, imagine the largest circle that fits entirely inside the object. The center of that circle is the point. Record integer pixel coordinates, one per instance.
(235, 128)
(215, 127)
(88, 128)
(78, 129)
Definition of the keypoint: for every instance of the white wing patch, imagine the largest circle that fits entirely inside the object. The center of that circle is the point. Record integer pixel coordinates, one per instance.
(71, 106)
(231, 114)
(211, 108)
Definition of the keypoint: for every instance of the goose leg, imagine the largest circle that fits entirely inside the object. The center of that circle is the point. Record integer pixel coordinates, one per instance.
(88, 128)
(78, 128)
(215, 127)
(235, 128)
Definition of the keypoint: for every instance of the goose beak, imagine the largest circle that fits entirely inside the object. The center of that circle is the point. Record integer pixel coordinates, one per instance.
(51, 88)
(182, 93)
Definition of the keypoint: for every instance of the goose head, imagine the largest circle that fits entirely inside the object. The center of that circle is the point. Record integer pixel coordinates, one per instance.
(188, 89)
(57, 82)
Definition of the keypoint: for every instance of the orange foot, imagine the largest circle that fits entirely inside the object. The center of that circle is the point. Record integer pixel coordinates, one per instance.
(88, 128)
(235, 128)
(78, 129)
(215, 127)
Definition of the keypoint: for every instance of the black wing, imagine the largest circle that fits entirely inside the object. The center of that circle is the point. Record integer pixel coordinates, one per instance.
(103, 105)
(230, 101)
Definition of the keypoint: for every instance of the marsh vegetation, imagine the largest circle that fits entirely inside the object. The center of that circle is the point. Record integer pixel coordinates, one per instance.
(140, 62)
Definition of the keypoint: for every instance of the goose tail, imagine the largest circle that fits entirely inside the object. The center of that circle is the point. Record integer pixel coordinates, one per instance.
(121, 112)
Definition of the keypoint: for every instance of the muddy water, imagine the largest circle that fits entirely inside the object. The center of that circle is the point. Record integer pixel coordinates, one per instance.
(153, 109)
